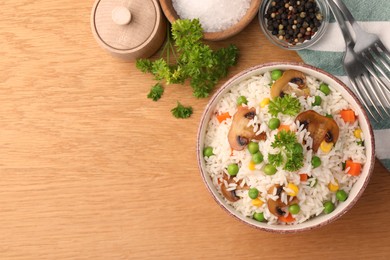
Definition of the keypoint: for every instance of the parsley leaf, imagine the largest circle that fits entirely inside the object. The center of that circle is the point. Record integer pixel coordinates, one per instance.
(292, 149)
(360, 142)
(287, 105)
(181, 111)
(275, 159)
(156, 92)
(144, 65)
(294, 162)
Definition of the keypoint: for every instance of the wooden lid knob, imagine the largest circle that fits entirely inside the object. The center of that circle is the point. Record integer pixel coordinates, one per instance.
(121, 15)
(126, 25)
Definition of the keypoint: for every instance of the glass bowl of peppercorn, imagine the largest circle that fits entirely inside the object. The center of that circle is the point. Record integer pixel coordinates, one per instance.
(294, 24)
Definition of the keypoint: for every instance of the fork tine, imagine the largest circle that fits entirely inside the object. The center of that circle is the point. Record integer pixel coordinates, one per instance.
(359, 94)
(381, 58)
(369, 64)
(362, 80)
(384, 95)
(386, 108)
(384, 50)
(380, 81)
(363, 86)
(368, 80)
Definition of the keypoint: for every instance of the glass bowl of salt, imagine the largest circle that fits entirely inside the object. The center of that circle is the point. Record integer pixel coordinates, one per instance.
(220, 19)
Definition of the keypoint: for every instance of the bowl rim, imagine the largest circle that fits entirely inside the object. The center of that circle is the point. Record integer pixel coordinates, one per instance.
(306, 44)
(221, 35)
(281, 229)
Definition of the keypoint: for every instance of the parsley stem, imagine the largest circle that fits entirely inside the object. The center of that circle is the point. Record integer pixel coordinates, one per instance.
(173, 51)
(167, 41)
(168, 49)
(163, 50)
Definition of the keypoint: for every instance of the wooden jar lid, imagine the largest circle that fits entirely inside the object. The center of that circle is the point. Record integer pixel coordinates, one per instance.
(128, 29)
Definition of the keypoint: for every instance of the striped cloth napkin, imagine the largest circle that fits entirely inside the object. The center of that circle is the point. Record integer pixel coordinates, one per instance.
(327, 54)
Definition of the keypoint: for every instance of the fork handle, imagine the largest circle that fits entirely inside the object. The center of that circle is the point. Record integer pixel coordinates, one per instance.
(342, 23)
(348, 15)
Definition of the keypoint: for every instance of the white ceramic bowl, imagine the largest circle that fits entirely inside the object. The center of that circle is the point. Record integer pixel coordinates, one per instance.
(358, 187)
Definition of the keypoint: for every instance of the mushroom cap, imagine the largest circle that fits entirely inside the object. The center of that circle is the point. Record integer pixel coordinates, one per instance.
(320, 127)
(240, 133)
(283, 86)
(277, 207)
(231, 195)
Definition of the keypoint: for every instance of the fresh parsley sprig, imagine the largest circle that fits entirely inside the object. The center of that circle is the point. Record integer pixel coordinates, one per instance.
(192, 59)
(291, 151)
(156, 92)
(181, 111)
(287, 105)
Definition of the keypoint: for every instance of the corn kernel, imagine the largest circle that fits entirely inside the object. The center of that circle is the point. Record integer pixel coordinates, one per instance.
(257, 202)
(333, 186)
(264, 102)
(294, 189)
(326, 147)
(358, 133)
(251, 165)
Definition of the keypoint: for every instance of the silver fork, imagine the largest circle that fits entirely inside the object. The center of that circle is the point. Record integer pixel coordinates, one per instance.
(369, 46)
(359, 70)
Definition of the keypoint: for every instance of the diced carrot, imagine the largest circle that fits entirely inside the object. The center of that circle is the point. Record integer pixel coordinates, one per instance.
(284, 127)
(287, 219)
(348, 115)
(303, 177)
(231, 151)
(222, 117)
(354, 168)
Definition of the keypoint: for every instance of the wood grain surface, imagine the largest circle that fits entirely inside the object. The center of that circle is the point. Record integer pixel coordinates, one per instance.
(92, 169)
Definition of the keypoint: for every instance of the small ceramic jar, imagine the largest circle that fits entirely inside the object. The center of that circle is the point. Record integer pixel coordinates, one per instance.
(128, 29)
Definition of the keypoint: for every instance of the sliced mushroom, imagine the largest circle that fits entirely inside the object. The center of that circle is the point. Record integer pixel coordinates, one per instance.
(231, 195)
(321, 128)
(240, 134)
(277, 207)
(282, 85)
(260, 137)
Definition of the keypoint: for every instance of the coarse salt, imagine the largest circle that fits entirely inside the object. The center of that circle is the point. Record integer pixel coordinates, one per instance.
(214, 15)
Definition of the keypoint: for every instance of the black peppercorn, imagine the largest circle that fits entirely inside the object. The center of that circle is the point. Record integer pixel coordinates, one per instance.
(293, 21)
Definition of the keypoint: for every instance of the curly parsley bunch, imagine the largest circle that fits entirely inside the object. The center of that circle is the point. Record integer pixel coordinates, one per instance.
(194, 61)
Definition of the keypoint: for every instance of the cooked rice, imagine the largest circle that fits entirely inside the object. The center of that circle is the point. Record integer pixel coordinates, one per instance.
(311, 197)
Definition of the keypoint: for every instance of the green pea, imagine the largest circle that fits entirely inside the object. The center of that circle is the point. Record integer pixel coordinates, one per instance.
(341, 195)
(259, 216)
(273, 123)
(257, 158)
(269, 169)
(294, 209)
(241, 100)
(317, 101)
(232, 169)
(276, 74)
(328, 207)
(208, 151)
(253, 147)
(253, 193)
(324, 88)
(315, 161)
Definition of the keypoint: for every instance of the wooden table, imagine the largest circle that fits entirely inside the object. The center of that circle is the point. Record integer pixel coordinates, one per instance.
(92, 169)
